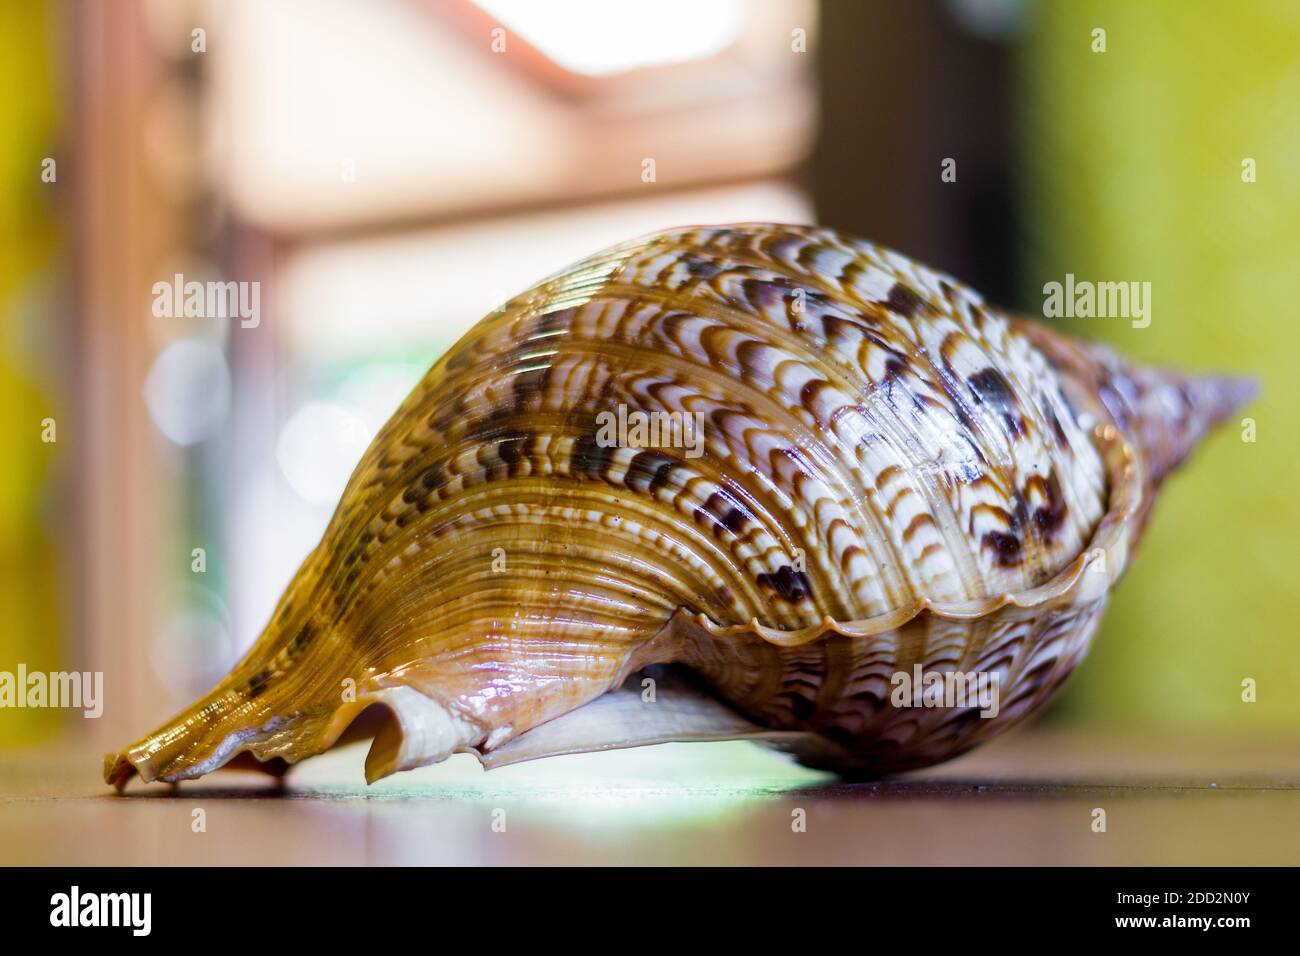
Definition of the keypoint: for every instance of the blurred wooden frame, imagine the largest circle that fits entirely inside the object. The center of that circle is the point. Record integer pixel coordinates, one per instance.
(122, 226)
(440, 129)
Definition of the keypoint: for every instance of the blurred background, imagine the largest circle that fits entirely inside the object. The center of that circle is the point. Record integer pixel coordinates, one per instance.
(389, 171)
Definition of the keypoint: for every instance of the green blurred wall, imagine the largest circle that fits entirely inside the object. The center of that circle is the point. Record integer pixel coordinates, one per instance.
(1132, 171)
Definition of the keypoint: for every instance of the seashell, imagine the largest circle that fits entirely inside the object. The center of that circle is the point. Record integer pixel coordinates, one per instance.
(861, 470)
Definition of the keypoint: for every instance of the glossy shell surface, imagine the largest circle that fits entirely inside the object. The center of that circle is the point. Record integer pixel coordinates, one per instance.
(848, 466)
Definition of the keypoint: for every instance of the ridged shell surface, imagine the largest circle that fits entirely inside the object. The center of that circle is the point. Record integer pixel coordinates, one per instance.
(848, 466)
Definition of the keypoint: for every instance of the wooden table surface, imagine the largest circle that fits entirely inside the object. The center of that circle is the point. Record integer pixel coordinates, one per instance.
(1028, 798)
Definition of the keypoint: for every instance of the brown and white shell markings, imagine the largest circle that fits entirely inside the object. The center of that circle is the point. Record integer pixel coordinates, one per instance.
(889, 473)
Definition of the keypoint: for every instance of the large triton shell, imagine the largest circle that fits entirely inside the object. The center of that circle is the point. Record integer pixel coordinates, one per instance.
(792, 465)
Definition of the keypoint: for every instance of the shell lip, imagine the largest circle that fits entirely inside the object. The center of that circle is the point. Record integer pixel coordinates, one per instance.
(1085, 579)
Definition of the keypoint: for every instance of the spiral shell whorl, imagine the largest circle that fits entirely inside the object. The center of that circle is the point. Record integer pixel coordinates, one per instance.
(860, 411)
